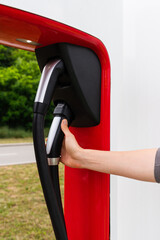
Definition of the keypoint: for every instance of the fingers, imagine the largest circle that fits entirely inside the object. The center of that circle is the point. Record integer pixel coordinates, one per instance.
(64, 127)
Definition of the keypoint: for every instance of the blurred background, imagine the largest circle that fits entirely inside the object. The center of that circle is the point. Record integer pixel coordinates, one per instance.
(19, 77)
(23, 212)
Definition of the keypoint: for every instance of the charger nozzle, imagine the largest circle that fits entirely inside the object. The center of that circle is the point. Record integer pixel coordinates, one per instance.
(55, 137)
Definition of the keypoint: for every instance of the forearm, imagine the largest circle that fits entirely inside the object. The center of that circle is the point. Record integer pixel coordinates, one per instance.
(137, 164)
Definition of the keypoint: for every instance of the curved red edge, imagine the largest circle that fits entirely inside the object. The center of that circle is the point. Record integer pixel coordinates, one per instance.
(86, 192)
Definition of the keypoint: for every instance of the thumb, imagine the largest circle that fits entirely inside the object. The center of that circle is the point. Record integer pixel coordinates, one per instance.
(64, 126)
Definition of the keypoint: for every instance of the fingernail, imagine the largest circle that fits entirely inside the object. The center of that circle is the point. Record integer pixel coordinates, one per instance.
(65, 122)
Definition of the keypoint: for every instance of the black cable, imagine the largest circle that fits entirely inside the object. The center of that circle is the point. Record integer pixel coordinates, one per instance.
(54, 171)
(52, 199)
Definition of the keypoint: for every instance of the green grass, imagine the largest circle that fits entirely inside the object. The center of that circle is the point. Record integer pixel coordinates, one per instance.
(6, 132)
(23, 212)
(15, 140)
(16, 133)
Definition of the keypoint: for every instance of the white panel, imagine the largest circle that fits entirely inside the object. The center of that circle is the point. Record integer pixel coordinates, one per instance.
(135, 206)
(135, 210)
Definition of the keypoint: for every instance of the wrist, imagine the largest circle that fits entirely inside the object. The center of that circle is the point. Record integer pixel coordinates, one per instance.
(81, 156)
(84, 158)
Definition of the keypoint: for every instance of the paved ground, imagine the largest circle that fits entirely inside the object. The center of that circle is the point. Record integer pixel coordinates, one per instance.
(11, 154)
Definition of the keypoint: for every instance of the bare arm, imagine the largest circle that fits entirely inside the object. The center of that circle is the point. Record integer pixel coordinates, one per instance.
(137, 164)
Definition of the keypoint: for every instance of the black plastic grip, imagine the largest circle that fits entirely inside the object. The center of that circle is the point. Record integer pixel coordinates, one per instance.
(63, 111)
(57, 143)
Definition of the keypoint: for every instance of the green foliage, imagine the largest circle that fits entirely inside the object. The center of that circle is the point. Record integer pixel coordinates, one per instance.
(19, 77)
(6, 57)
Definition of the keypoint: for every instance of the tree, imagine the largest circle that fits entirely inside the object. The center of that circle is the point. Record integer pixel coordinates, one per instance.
(19, 77)
(6, 56)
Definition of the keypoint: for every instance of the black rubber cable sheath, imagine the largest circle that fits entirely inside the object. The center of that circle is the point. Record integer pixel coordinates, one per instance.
(55, 180)
(46, 179)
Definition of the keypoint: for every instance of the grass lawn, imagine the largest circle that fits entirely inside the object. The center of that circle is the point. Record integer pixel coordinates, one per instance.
(15, 140)
(23, 212)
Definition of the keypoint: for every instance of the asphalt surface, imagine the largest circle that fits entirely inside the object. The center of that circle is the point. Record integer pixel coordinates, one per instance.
(11, 154)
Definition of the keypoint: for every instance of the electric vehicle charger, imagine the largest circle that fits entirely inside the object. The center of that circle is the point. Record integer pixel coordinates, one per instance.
(53, 147)
(48, 169)
(74, 84)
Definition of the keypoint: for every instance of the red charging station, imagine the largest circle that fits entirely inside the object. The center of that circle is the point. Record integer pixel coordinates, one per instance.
(87, 193)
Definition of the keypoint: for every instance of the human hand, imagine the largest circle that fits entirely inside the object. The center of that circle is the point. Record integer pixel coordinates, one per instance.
(71, 152)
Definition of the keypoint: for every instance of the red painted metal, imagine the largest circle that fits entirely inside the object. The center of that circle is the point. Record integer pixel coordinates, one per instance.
(86, 192)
